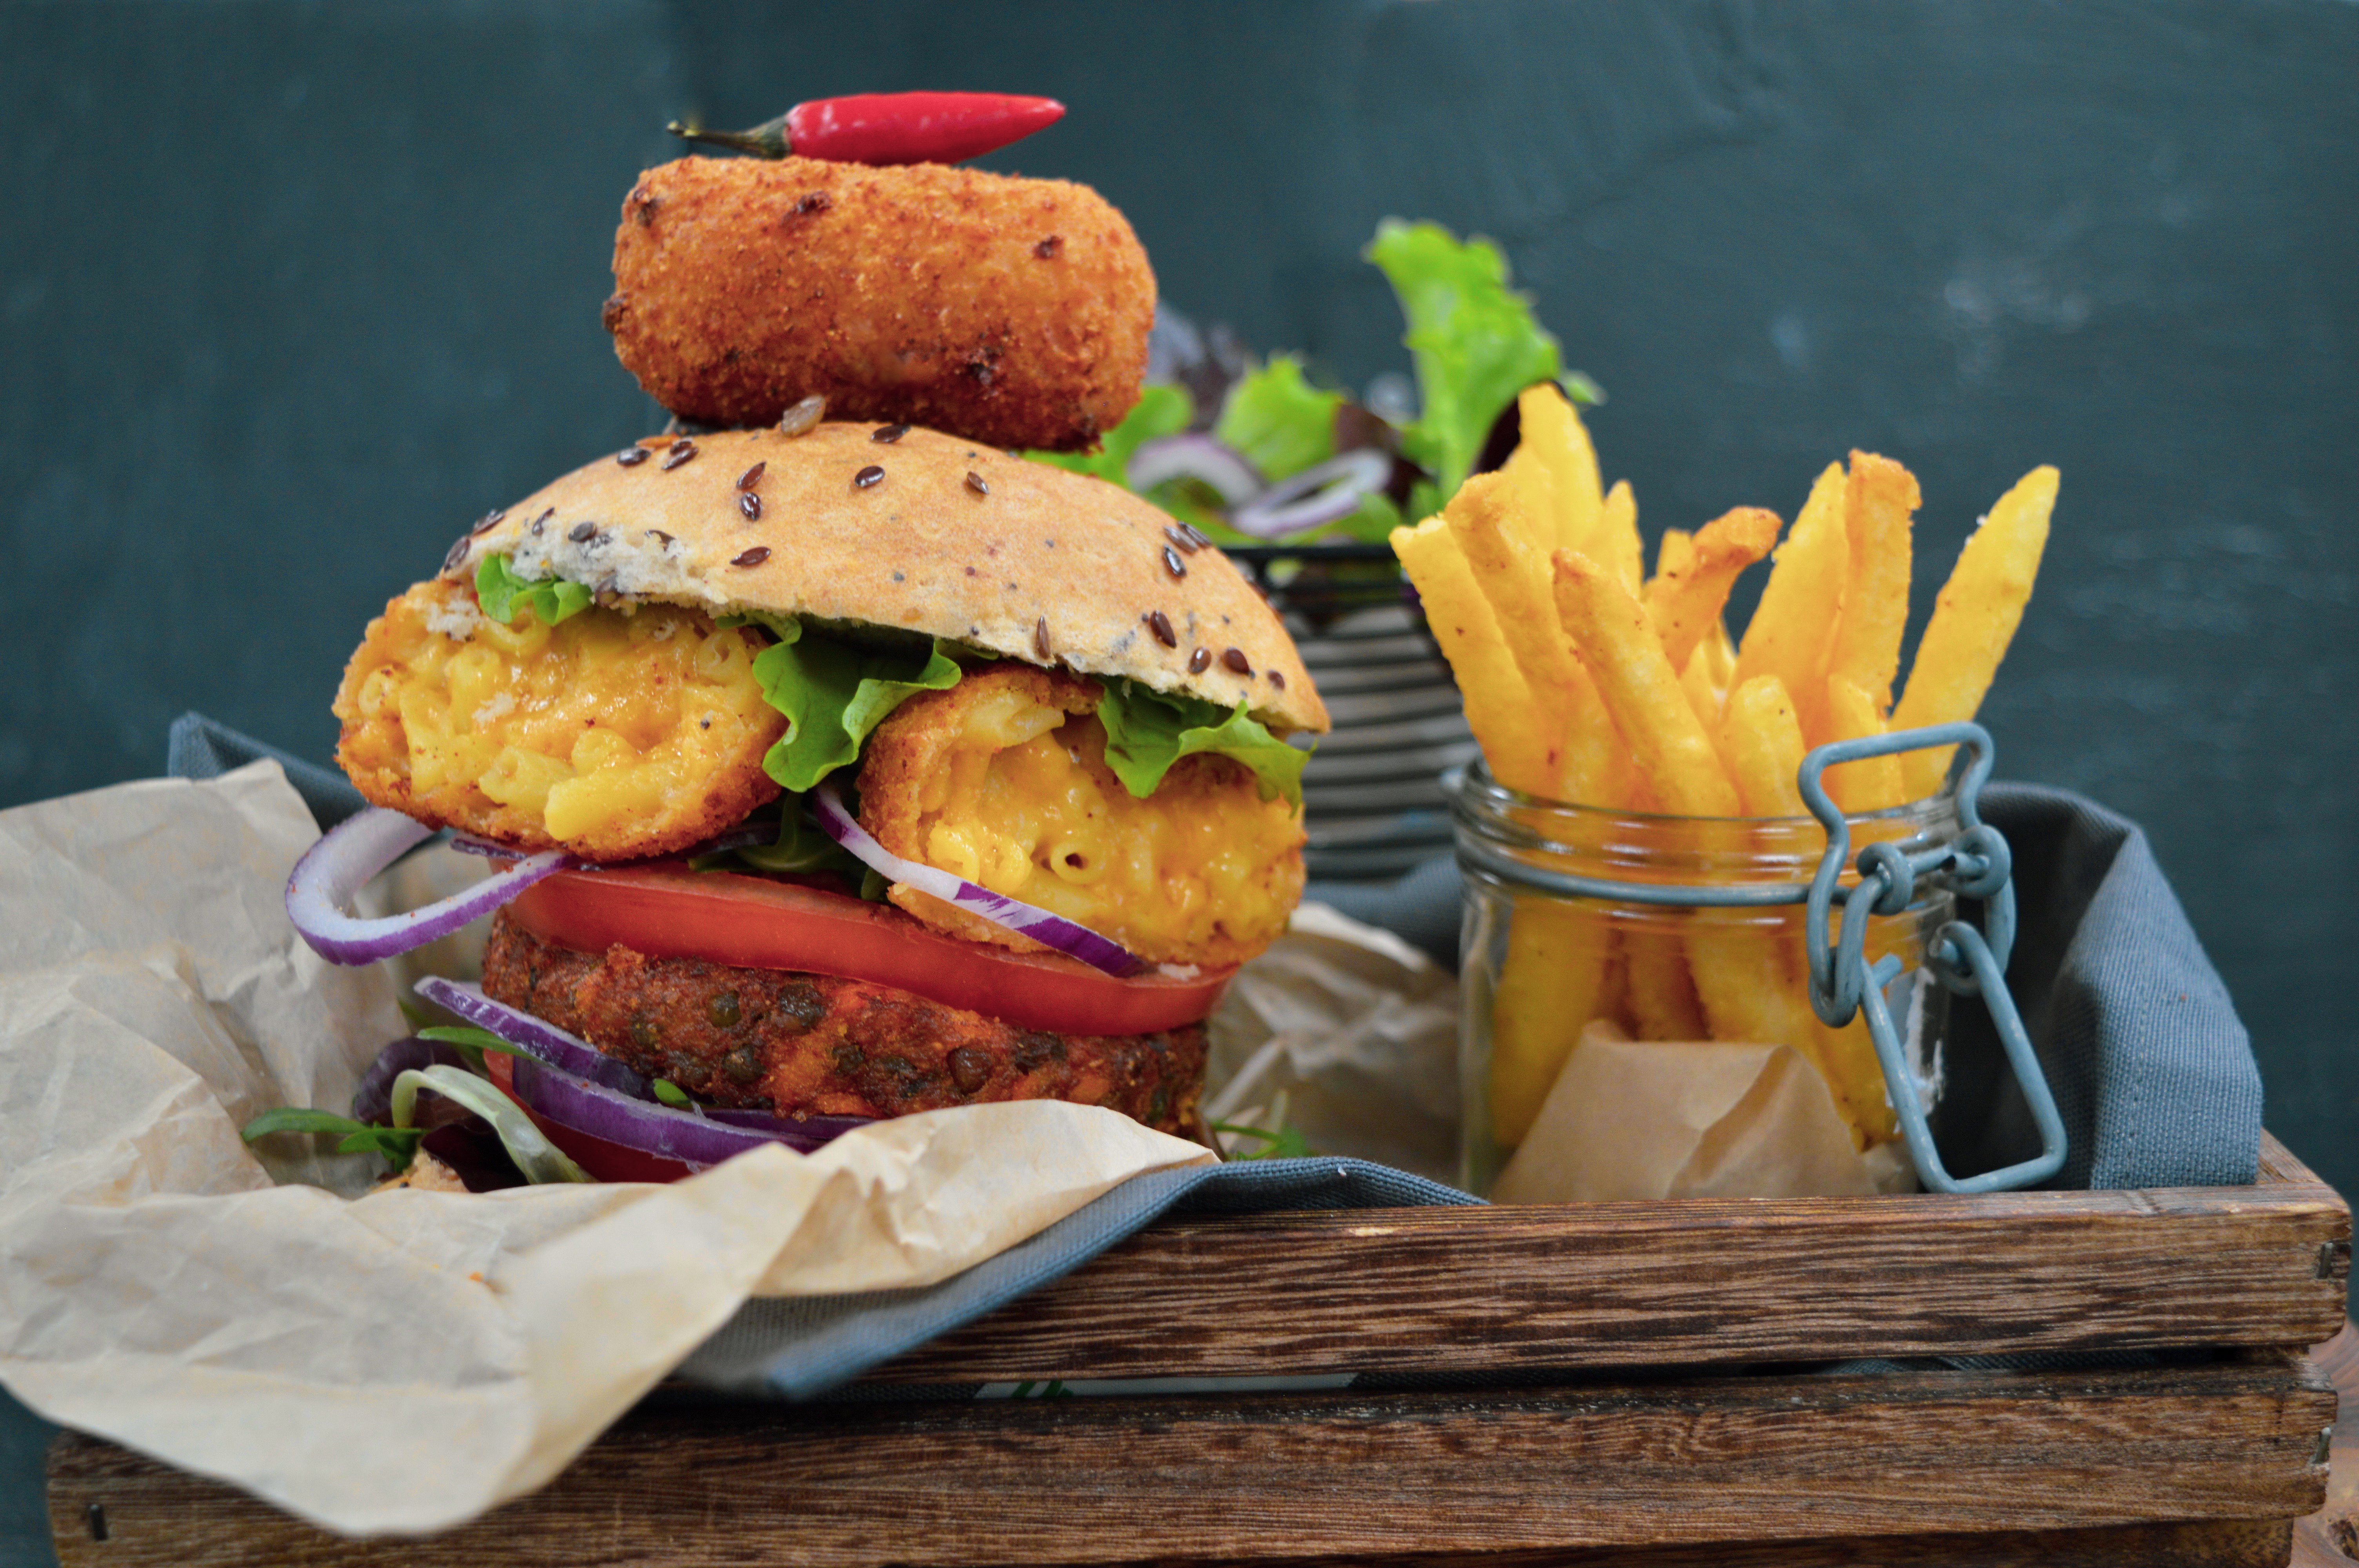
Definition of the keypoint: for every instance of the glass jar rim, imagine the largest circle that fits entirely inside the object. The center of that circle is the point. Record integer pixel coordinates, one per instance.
(1478, 786)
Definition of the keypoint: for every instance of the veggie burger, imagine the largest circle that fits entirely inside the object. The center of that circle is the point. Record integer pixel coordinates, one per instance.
(839, 770)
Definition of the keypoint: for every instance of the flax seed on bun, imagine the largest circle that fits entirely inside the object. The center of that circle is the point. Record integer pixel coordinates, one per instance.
(947, 537)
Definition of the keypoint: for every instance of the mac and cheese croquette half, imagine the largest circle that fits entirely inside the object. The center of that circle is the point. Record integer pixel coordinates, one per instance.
(1003, 780)
(1000, 309)
(612, 735)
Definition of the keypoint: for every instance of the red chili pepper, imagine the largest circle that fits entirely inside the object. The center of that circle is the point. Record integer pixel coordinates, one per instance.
(891, 127)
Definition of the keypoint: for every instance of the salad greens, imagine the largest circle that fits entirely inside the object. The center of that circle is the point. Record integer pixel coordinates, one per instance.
(500, 591)
(397, 1144)
(1475, 344)
(1161, 410)
(1147, 732)
(1277, 421)
(834, 690)
(1473, 339)
(535, 1155)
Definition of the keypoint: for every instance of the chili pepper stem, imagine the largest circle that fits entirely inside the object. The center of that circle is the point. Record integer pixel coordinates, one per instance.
(767, 139)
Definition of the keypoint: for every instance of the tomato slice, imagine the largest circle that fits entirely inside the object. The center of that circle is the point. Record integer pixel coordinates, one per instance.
(607, 1162)
(666, 910)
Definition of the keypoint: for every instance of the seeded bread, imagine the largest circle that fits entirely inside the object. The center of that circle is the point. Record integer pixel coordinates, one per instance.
(920, 531)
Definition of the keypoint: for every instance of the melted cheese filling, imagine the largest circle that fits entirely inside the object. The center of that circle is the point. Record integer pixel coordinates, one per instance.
(1026, 806)
(609, 732)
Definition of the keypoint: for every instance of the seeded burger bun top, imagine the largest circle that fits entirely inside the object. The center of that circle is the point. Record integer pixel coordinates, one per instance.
(921, 531)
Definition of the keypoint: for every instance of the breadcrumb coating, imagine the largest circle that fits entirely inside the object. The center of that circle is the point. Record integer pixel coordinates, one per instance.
(612, 735)
(1003, 780)
(1000, 309)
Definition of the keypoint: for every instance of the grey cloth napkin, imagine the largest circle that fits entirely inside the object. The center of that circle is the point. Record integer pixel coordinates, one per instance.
(2151, 1068)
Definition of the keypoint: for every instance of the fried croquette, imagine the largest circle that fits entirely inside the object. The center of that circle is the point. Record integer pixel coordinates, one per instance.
(806, 1045)
(614, 734)
(1003, 780)
(1000, 309)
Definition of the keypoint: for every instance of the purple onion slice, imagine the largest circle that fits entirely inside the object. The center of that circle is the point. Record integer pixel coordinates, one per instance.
(373, 1101)
(818, 1129)
(652, 1128)
(537, 1036)
(1194, 455)
(1327, 494)
(1049, 930)
(349, 857)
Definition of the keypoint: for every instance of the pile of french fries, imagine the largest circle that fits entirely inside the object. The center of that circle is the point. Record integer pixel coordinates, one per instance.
(1587, 682)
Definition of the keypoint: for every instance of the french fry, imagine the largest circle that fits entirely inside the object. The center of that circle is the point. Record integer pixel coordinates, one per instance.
(1586, 761)
(1761, 740)
(1559, 973)
(1795, 622)
(1873, 783)
(1684, 602)
(1671, 558)
(1660, 993)
(1535, 512)
(1702, 695)
(1640, 690)
(1614, 542)
(1882, 499)
(1974, 620)
(1554, 436)
(1498, 703)
(1720, 649)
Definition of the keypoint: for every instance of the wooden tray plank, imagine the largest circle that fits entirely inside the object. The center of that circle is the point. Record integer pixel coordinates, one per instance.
(1341, 1476)
(1700, 1281)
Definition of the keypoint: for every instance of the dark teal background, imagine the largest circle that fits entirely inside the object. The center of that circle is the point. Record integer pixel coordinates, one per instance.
(290, 292)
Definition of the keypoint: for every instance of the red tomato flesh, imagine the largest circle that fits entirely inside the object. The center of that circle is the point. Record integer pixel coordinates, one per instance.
(666, 910)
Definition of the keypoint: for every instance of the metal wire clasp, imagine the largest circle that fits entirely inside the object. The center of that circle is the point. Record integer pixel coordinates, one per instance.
(1976, 864)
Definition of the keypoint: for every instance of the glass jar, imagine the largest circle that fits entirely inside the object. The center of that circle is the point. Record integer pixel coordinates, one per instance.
(1539, 965)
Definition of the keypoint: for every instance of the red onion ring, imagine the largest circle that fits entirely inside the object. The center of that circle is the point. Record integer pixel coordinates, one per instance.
(1049, 930)
(695, 1140)
(537, 1036)
(349, 857)
(1194, 455)
(373, 1099)
(1327, 494)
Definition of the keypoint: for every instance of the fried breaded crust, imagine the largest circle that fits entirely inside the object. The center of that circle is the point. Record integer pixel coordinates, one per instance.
(821, 1045)
(612, 736)
(1003, 780)
(1007, 310)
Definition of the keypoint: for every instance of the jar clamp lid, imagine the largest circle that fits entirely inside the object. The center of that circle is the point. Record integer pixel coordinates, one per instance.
(1966, 961)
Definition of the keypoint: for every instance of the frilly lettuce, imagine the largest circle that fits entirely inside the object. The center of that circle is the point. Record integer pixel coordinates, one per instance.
(1147, 732)
(1279, 421)
(1475, 343)
(834, 691)
(499, 590)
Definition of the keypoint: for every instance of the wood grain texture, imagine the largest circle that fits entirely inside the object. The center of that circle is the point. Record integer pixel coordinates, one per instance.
(2330, 1538)
(1622, 1285)
(1343, 1476)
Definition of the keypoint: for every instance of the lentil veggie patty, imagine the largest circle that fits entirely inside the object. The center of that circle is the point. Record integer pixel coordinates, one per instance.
(805, 1045)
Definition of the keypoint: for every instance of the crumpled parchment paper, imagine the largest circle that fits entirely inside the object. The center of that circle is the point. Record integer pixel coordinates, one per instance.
(401, 1361)
(1690, 1119)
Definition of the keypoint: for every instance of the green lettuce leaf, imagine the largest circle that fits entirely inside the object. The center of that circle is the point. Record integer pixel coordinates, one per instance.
(1147, 732)
(1161, 410)
(834, 691)
(535, 1155)
(1473, 340)
(1279, 421)
(500, 591)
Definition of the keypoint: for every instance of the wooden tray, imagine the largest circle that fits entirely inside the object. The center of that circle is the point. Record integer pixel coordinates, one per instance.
(1614, 1383)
